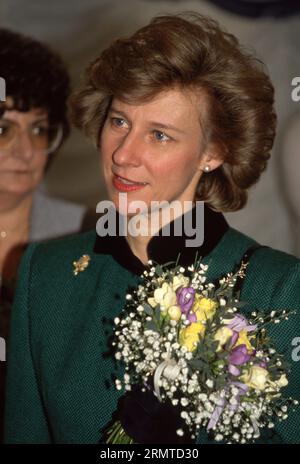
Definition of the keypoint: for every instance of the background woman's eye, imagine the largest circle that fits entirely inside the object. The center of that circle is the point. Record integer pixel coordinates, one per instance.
(6, 129)
(3, 130)
(40, 131)
(160, 136)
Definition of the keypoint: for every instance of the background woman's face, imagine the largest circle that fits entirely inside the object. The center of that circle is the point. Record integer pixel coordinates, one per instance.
(22, 167)
(153, 151)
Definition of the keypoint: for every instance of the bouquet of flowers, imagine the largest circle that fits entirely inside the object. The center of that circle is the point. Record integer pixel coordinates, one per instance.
(193, 361)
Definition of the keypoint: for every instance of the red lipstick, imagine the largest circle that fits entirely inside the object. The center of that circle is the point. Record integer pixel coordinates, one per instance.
(126, 185)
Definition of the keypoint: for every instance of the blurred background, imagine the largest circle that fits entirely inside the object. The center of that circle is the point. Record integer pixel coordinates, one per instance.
(79, 29)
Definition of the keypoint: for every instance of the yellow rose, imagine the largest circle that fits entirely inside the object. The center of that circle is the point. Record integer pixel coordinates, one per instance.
(204, 308)
(256, 377)
(174, 313)
(179, 281)
(164, 296)
(222, 336)
(244, 340)
(189, 336)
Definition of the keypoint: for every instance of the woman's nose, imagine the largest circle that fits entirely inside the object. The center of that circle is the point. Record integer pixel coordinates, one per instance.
(23, 146)
(129, 150)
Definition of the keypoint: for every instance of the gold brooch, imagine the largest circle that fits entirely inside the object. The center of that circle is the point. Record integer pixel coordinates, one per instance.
(81, 264)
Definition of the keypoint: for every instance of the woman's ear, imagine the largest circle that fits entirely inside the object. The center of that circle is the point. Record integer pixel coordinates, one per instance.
(211, 159)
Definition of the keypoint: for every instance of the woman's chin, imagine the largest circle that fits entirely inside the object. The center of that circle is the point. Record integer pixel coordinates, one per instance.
(130, 210)
(129, 204)
(17, 189)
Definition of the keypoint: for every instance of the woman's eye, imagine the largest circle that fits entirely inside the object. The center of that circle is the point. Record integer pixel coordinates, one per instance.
(118, 122)
(40, 131)
(5, 129)
(160, 136)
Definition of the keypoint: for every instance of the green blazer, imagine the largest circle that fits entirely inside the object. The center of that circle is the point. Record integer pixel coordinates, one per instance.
(59, 386)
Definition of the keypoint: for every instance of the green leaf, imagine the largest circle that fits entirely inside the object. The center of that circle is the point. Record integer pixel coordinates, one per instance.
(148, 309)
(150, 325)
(157, 313)
(198, 364)
(159, 270)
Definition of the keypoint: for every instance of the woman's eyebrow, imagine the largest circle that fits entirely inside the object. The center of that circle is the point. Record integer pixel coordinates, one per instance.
(40, 119)
(157, 124)
(115, 110)
(161, 125)
(34, 121)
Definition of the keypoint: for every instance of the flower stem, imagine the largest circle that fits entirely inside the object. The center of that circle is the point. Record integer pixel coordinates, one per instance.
(117, 435)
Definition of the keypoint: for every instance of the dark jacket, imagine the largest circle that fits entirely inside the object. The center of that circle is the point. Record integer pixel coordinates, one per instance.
(60, 387)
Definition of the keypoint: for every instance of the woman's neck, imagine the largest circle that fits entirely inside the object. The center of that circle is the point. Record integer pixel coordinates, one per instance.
(14, 234)
(138, 246)
(148, 226)
(15, 216)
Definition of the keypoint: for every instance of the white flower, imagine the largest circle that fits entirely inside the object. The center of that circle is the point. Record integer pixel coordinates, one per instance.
(164, 296)
(184, 402)
(209, 383)
(179, 281)
(256, 377)
(280, 383)
(233, 401)
(118, 384)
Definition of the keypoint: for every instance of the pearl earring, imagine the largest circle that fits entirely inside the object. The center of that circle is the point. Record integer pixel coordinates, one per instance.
(206, 168)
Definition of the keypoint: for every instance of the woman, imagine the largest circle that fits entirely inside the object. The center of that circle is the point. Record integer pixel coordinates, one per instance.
(179, 112)
(33, 125)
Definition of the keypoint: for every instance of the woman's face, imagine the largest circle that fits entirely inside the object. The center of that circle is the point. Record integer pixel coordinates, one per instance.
(154, 151)
(22, 166)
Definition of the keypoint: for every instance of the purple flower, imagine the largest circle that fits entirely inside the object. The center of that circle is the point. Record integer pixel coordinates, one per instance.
(263, 364)
(239, 355)
(233, 370)
(239, 323)
(185, 298)
(192, 317)
(234, 338)
(243, 388)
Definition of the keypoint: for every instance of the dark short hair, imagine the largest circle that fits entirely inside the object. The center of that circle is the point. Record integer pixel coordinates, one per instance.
(191, 51)
(35, 77)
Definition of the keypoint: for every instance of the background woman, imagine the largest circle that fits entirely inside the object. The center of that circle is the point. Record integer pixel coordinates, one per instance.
(33, 126)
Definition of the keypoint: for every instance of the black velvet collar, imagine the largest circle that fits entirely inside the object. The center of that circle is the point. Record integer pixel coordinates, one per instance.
(162, 249)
